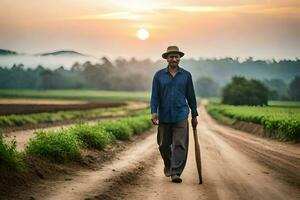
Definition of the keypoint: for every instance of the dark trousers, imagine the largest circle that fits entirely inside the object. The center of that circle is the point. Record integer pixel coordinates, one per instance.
(173, 140)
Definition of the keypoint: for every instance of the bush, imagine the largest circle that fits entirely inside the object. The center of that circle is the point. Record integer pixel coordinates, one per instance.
(245, 92)
(138, 124)
(64, 144)
(57, 146)
(92, 136)
(9, 157)
(120, 129)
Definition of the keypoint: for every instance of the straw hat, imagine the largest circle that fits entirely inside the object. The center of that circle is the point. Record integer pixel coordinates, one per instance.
(172, 49)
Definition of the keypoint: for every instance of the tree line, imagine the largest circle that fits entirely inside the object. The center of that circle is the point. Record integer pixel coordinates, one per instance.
(209, 75)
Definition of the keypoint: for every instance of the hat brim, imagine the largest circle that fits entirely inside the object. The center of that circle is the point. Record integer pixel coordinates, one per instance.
(165, 55)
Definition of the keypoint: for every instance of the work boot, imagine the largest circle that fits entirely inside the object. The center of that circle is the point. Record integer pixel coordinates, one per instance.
(167, 172)
(176, 179)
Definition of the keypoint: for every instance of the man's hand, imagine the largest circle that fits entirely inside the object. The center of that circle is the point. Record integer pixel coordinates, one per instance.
(154, 119)
(194, 122)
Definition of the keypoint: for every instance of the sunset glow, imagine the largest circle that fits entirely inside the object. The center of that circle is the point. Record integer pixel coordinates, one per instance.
(263, 29)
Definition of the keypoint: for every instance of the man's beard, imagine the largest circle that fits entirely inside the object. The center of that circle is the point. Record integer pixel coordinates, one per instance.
(173, 64)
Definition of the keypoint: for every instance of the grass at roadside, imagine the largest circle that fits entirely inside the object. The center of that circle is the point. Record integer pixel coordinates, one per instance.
(216, 114)
(95, 137)
(64, 145)
(282, 121)
(9, 157)
(58, 146)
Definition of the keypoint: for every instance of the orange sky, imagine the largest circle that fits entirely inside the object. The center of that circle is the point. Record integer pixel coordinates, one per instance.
(207, 28)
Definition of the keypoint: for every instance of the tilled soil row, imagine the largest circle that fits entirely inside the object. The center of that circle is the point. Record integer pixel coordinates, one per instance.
(6, 109)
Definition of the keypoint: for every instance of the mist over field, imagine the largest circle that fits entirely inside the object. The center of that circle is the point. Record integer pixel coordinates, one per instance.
(50, 62)
(73, 70)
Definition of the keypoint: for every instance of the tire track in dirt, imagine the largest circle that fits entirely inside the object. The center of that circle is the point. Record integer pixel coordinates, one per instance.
(283, 158)
(87, 184)
(228, 172)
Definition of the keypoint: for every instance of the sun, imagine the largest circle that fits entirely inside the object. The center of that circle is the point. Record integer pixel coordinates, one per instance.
(142, 34)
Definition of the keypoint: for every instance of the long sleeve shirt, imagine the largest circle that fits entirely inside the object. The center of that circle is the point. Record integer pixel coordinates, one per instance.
(172, 97)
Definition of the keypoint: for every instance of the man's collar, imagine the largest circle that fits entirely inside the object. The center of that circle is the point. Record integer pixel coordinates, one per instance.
(178, 69)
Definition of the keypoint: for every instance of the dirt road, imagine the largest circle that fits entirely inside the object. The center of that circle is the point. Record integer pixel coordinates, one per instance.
(236, 165)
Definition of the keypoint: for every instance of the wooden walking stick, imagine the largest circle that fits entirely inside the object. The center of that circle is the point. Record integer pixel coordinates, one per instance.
(197, 154)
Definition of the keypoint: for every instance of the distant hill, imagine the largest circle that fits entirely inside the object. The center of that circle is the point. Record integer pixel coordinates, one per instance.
(62, 53)
(5, 52)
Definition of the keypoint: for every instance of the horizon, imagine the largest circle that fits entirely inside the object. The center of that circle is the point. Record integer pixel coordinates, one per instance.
(86, 54)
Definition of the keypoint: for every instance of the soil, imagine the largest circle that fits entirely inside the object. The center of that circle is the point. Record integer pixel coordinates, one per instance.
(39, 173)
(35, 107)
(235, 165)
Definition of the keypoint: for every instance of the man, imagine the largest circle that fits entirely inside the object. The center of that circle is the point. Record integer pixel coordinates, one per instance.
(171, 87)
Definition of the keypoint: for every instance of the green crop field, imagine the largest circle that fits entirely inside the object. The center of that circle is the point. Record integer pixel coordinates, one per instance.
(284, 103)
(23, 119)
(283, 118)
(90, 95)
(272, 103)
(65, 144)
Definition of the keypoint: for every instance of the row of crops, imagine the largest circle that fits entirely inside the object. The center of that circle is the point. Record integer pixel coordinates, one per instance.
(90, 95)
(282, 121)
(49, 117)
(65, 144)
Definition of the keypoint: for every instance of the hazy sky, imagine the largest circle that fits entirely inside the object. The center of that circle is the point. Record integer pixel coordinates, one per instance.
(201, 28)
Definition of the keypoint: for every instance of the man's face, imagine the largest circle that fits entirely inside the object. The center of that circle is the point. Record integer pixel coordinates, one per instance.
(173, 59)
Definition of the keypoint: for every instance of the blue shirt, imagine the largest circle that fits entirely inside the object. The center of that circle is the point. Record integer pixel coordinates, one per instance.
(172, 96)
